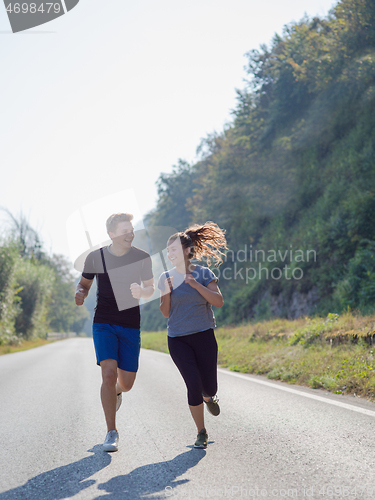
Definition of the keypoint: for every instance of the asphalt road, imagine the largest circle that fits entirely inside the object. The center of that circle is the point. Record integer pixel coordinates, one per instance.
(271, 440)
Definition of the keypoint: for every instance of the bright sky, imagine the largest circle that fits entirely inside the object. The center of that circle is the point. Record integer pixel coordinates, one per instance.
(97, 103)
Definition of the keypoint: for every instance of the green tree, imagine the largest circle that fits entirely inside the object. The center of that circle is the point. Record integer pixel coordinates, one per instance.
(8, 291)
(36, 285)
(295, 168)
(175, 191)
(64, 315)
(26, 237)
(36, 290)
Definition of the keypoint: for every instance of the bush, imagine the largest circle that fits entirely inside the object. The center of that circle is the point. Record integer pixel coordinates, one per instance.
(357, 289)
(35, 288)
(8, 292)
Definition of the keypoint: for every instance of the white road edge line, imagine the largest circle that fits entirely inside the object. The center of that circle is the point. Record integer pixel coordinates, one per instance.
(289, 389)
(300, 393)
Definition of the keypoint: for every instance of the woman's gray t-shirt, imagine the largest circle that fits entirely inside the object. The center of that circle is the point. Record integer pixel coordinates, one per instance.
(190, 312)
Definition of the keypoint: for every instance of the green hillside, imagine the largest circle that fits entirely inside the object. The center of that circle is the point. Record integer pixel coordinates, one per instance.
(292, 178)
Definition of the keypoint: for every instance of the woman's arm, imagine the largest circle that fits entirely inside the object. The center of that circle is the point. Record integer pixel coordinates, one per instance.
(165, 297)
(211, 292)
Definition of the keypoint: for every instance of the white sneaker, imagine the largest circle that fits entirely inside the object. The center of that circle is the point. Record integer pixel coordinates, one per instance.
(119, 401)
(111, 441)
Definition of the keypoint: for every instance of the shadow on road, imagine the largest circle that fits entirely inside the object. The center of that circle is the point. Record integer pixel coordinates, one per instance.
(62, 482)
(152, 478)
(69, 480)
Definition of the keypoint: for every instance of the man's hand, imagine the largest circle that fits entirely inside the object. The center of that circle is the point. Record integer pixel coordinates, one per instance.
(136, 290)
(189, 278)
(82, 290)
(80, 296)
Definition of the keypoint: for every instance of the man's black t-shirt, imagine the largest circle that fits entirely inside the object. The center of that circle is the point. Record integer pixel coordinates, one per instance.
(115, 303)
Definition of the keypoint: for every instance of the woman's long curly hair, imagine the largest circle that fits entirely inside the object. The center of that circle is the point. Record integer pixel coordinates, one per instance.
(205, 241)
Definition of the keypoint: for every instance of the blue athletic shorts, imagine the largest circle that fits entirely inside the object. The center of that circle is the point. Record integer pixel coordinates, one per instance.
(119, 343)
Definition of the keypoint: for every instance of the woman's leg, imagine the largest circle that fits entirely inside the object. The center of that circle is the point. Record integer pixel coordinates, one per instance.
(205, 349)
(184, 358)
(197, 412)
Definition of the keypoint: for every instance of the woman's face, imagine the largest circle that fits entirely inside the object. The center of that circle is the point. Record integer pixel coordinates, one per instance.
(176, 253)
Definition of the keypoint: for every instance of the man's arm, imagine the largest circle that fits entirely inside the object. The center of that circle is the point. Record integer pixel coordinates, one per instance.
(148, 288)
(146, 291)
(82, 290)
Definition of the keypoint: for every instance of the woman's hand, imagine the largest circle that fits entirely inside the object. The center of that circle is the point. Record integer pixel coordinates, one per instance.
(168, 285)
(189, 278)
(210, 292)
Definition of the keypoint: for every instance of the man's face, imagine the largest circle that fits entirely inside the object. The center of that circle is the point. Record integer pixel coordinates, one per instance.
(123, 234)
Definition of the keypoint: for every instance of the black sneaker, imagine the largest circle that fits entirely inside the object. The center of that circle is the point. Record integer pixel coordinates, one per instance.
(212, 406)
(201, 441)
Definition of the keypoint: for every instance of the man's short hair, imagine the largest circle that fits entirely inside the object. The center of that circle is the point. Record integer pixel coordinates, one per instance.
(115, 219)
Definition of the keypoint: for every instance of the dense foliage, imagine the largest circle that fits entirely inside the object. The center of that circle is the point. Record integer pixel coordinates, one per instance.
(36, 290)
(295, 170)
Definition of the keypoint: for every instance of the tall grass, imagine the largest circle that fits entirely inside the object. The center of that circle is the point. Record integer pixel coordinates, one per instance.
(335, 353)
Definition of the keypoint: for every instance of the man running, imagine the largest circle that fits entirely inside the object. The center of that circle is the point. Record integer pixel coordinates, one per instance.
(124, 275)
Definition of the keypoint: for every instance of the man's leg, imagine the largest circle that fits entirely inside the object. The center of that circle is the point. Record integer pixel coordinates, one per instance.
(128, 355)
(108, 391)
(125, 380)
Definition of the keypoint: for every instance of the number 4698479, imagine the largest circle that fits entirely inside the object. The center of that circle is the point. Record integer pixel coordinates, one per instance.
(33, 8)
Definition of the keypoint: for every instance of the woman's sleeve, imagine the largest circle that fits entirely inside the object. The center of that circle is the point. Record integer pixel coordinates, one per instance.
(209, 276)
(161, 282)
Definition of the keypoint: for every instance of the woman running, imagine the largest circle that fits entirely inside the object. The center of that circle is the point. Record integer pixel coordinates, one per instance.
(187, 293)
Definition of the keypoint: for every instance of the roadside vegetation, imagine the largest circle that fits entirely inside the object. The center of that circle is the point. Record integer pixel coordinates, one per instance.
(334, 353)
(36, 289)
(292, 181)
(23, 345)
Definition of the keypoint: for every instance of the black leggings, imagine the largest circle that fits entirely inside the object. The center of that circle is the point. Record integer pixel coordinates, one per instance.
(195, 356)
